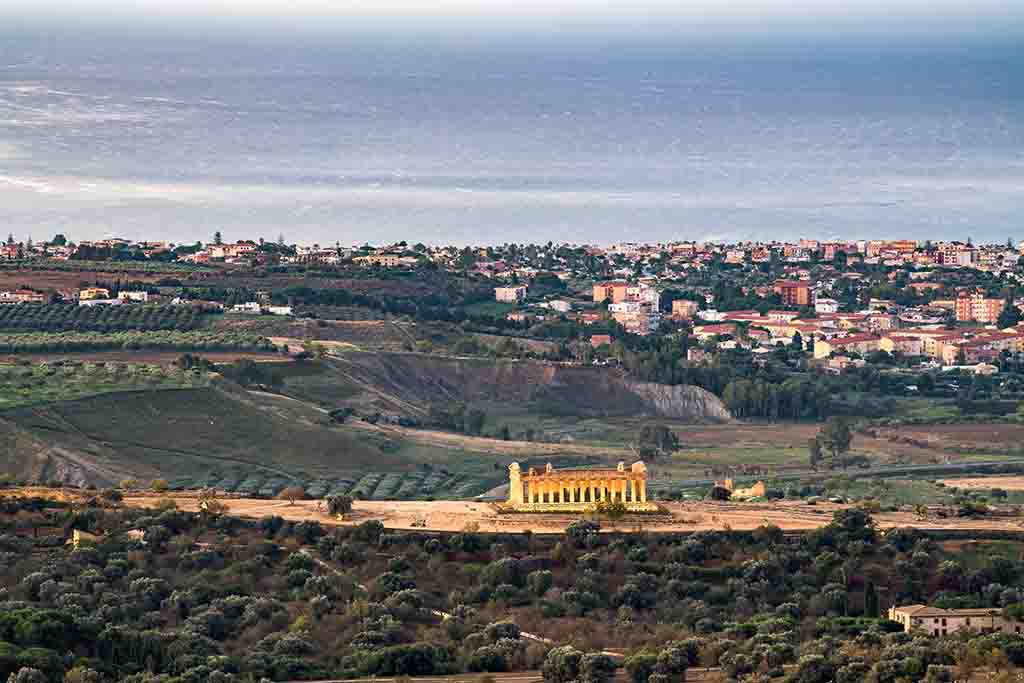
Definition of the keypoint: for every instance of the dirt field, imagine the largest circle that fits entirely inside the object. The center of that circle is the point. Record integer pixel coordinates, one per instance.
(697, 516)
(1008, 483)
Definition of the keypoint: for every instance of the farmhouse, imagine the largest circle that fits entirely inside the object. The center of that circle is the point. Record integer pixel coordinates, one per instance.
(90, 293)
(940, 622)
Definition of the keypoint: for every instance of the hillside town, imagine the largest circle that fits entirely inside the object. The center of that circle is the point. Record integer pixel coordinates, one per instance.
(840, 304)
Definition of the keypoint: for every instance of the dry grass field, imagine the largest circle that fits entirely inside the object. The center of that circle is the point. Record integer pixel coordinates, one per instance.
(453, 516)
(986, 483)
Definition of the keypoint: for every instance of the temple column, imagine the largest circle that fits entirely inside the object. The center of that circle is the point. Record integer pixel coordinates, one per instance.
(643, 490)
(529, 491)
(621, 486)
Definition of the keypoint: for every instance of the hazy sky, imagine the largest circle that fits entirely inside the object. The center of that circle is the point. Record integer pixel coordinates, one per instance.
(939, 19)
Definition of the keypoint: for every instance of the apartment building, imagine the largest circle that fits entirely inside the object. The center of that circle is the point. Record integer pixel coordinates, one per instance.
(637, 317)
(793, 292)
(614, 291)
(862, 344)
(976, 307)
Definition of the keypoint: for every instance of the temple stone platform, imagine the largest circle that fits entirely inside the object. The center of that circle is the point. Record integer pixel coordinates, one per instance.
(577, 490)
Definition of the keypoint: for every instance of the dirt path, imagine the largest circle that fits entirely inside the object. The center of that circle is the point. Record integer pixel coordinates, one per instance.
(449, 515)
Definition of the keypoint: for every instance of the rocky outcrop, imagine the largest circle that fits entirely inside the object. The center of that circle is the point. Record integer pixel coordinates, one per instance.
(680, 401)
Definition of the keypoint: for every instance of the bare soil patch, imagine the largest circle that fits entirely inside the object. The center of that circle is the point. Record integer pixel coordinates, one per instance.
(1008, 483)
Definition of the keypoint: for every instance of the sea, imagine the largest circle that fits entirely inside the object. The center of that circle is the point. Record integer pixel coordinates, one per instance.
(351, 141)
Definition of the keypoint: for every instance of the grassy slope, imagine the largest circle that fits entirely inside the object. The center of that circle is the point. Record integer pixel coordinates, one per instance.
(173, 433)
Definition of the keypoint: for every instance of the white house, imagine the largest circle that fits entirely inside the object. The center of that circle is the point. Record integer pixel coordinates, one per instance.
(279, 310)
(141, 297)
(247, 307)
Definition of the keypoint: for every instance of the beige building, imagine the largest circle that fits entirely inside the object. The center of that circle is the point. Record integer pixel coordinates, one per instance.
(387, 260)
(684, 309)
(941, 622)
(854, 343)
(758, 490)
(510, 295)
(578, 490)
(90, 293)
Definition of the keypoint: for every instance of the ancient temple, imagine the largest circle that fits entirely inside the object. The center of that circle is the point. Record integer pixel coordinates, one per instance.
(578, 490)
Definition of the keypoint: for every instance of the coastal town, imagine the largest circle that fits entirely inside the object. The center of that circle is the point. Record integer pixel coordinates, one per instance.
(839, 304)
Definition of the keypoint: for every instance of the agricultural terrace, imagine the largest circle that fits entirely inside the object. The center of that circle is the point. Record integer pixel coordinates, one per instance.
(85, 266)
(141, 340)
(24, 385)
(71, 317)
(423, 484)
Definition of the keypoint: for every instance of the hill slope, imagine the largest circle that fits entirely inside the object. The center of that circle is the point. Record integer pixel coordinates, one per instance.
(175, 433)
(407, 383)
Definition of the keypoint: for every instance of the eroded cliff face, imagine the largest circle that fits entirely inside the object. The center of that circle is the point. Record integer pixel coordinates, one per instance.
(681, 401)
(404, 379)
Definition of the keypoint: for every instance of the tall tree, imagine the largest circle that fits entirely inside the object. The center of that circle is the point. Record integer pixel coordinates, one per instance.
(1010, 315)
(814, 452)
(218, 239)
(836, 437)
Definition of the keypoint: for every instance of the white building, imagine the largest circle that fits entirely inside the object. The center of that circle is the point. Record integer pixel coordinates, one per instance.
(279, 310)
(826, 306)
(140, 297)
(247, 307)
